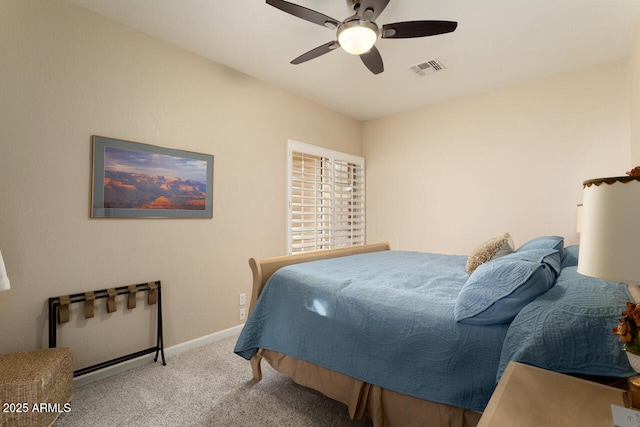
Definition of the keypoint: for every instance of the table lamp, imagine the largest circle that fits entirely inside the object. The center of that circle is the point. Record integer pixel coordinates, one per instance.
(610, 241)
(4, 279)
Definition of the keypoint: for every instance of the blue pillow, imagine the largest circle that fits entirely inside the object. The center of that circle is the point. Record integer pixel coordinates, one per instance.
(568, 329)
(497, 290)
(570, 257)
(544, 242)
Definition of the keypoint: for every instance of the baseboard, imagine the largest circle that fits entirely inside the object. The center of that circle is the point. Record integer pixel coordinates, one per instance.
(168, 353)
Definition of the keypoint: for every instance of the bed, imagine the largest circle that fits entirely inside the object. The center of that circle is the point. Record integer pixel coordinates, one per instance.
(413, 339)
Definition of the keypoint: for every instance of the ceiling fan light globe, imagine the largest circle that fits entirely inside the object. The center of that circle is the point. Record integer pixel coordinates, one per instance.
(357, 37)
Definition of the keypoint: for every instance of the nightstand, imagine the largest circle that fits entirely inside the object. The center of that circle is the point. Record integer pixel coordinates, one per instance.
(527, 396)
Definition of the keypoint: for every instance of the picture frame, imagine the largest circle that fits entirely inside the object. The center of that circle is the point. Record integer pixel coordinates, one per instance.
(136, 180)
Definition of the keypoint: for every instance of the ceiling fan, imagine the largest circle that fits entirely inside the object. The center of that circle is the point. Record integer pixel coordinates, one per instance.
(358, 33)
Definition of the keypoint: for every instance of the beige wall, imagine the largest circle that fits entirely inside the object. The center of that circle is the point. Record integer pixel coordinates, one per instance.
(634, 95)
(510, 160)
(66, 74)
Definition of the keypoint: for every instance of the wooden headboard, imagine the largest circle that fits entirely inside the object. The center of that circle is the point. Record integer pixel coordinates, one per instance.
(262, 269)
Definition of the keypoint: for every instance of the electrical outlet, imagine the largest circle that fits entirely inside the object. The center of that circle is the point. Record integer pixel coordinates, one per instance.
(243, 299)
(243, 314)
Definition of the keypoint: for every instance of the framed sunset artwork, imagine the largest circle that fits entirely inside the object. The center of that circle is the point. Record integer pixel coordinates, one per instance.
(134, 180)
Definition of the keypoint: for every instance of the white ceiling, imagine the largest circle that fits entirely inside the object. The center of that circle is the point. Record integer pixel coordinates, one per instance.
(497, 43)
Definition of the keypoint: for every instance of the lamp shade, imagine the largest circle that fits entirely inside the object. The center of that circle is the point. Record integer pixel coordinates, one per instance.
(4, 279)
(610, 232)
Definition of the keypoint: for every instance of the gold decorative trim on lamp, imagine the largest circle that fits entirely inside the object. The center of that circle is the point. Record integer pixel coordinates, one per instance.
(4, 279)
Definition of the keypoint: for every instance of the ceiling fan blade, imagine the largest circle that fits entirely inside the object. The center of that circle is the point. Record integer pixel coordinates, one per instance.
(410, 29)
(304, 13)
(314, 53)
(376, 5)
(373, 61)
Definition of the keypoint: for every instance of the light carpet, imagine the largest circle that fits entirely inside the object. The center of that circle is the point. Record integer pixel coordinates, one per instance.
(206, 386)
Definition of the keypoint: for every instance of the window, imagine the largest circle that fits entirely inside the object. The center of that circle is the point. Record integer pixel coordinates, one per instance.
(325, 199)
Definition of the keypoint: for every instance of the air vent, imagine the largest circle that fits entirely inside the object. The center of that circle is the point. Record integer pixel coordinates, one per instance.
(428, 67)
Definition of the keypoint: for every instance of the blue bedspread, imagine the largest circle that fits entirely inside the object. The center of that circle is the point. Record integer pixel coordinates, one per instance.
(385, 318)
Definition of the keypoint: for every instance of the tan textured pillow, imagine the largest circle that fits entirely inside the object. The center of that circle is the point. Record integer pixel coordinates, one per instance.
(493, 248)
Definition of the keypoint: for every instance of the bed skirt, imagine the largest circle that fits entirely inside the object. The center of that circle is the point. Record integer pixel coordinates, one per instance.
(386, 408)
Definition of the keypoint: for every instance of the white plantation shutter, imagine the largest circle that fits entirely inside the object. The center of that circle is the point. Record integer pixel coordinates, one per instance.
(348, 202)
(325, 200)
